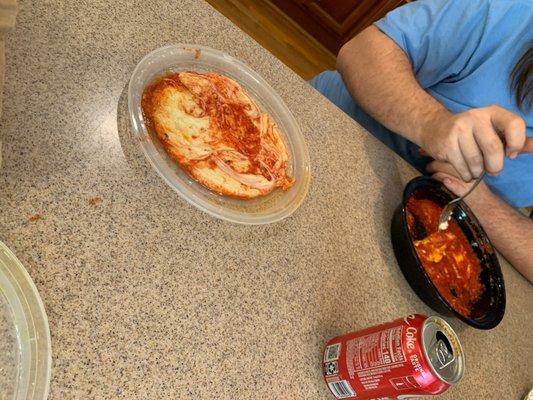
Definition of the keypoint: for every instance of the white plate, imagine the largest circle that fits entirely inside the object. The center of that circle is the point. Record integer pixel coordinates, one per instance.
(263, 210)
(25, 347)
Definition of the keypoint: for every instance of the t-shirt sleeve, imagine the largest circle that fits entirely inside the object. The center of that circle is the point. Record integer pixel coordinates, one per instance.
(438, 36)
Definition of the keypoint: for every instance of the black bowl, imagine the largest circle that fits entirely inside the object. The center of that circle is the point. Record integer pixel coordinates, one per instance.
(489, 310)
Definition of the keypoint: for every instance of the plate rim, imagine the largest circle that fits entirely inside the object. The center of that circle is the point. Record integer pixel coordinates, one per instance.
(17, 270)
(191, 197)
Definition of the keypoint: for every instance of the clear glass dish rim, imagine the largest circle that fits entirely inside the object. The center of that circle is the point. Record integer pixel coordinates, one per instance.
(189, 194)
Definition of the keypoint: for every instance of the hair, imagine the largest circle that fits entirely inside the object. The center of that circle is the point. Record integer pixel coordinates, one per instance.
(522, 80)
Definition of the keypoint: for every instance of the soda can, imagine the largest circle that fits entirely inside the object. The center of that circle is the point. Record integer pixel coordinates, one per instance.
(406, 358)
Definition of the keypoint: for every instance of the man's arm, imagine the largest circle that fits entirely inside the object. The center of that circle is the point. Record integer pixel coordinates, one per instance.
(380, 78)
(510, 231)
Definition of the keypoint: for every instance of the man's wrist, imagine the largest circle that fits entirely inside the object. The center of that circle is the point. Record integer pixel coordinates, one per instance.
(427, 123)
(481, 198)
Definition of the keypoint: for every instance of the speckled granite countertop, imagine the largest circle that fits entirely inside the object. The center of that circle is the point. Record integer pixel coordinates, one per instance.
(150, 298)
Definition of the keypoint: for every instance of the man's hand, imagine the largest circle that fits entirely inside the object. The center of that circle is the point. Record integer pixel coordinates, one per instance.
(448, 175)
(380, 78)
(473, 139)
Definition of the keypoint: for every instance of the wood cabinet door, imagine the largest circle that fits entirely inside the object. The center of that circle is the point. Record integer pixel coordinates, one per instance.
(334, 22)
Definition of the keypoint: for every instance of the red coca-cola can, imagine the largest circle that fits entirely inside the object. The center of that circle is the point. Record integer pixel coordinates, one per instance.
(409, 357)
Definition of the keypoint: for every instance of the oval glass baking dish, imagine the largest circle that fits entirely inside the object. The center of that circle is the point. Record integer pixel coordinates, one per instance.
(273, 207)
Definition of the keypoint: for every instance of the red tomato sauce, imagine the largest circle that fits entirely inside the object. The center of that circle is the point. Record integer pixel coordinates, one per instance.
(228, 118)
(447, 256)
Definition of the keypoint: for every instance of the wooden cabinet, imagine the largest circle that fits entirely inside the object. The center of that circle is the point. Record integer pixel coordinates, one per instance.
(334, 22)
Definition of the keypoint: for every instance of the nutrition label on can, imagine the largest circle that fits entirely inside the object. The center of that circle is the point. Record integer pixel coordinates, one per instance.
(371, 356)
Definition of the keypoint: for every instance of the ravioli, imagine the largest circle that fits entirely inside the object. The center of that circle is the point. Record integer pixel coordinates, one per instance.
(210, 126)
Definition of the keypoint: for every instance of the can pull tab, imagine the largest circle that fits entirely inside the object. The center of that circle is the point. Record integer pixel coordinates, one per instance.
(443, 351)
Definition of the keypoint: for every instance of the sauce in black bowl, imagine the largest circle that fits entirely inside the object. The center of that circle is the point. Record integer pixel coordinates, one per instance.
(488, 311)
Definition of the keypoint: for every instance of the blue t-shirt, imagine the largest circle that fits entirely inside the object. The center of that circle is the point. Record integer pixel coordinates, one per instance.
(462, 53)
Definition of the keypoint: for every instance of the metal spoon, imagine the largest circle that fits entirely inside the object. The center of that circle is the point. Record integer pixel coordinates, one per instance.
(446, 213)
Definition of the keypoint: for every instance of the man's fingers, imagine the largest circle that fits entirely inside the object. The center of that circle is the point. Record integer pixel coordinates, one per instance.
(511, 127)
(491, 146)
(455, 157)
(471, 153)
(451, 182)
(441, 166)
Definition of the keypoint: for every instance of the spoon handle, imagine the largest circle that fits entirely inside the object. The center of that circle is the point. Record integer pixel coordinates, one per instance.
(446, 212)
(479, 179)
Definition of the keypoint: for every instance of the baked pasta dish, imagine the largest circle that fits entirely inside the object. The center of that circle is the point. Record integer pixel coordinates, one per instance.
(212, 128)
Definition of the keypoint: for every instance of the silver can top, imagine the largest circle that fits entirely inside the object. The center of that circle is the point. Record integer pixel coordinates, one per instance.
(443, 350)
